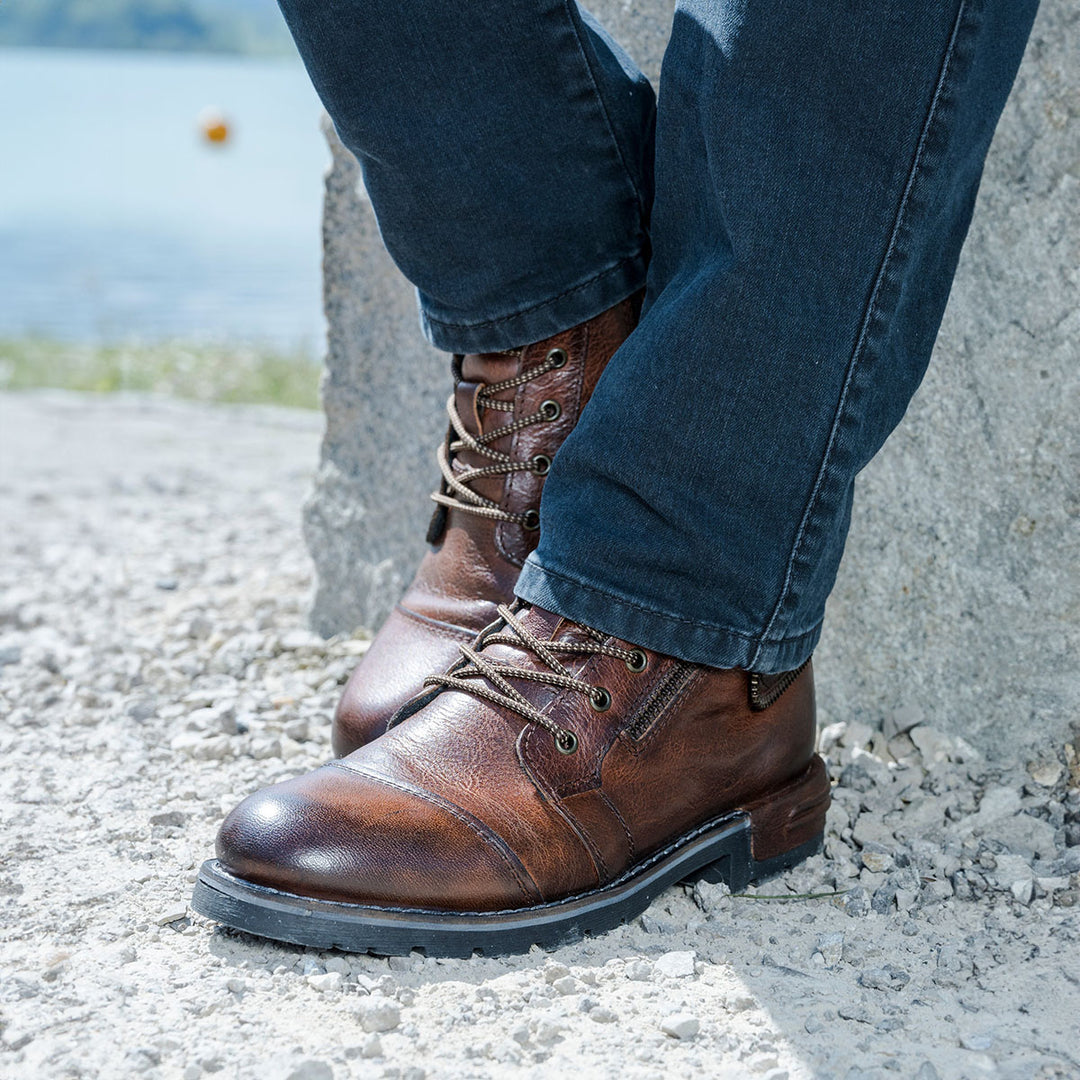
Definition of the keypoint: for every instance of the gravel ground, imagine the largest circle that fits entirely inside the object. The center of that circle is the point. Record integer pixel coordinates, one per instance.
(154, 668)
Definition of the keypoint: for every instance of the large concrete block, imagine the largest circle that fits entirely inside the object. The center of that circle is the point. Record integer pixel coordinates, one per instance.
(959, 597)
(384, 387)
(959, 594)
(384, 390)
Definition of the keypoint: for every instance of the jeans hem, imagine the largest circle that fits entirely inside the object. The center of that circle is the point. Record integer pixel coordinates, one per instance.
(694, 641)
(541, 320)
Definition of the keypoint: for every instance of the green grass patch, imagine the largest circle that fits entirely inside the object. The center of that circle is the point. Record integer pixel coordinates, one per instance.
(223, 373)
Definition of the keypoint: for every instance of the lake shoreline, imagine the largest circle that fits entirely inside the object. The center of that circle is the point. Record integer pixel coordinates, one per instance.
(221, 373)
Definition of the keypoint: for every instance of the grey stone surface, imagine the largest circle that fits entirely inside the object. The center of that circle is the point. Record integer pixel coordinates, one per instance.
(959, 594)
(384, 390)
(959, 597)
(641, 26)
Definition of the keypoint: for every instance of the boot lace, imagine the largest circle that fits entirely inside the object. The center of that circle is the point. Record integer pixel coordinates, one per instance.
(488, 677)
(456, 492)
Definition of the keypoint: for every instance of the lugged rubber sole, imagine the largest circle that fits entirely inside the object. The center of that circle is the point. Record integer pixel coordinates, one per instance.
(719, 851)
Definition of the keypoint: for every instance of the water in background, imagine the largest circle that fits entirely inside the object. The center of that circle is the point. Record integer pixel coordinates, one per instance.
(118, 221)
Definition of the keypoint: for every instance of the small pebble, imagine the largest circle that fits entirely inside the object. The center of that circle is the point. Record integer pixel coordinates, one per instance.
(548, 1031)
(681, 1025)
(876, 857)
(675, 965)
(327, 983)
(884, 978)
(378, 1014)
(1045, 774)
(311, 1070)
(830, 947)
(857, 902)
(141, 710)
(857, 1013)
(740, 1003)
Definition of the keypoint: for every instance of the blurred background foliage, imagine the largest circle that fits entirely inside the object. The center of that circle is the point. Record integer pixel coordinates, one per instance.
(200, 372)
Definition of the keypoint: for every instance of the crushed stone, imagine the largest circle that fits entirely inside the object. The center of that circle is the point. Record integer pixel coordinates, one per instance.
(155, 667)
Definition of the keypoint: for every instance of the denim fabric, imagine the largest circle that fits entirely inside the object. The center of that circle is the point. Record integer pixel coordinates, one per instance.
(814, 173)
(506, 146)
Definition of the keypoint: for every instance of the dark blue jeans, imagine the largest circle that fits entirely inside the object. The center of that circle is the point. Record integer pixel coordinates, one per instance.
(795, 207)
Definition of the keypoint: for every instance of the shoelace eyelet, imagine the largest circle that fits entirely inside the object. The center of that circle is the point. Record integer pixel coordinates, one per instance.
(638, 661)
(550, 410)
(566, 742)
(532, 520)
(541, 463)
(557, 358)
(599, 699)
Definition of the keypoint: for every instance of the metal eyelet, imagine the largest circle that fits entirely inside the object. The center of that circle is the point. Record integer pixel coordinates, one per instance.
(550, 410)
(566, 742)
(541, 463)
(557, 358)
(599, 699)
(638, 661)
(531, 521)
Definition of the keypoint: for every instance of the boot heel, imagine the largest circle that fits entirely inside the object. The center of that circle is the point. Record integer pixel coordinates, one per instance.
(781, 830)
(788, 825)
(741, 869)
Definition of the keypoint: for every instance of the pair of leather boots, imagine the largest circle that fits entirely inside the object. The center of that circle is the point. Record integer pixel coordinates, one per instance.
(507, 777)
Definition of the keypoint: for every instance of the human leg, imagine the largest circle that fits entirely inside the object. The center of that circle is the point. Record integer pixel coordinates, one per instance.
(564, 770)
(815, 178)
(507, 151)
(506, 146)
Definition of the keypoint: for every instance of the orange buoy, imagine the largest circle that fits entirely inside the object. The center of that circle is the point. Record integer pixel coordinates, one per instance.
(213, 126)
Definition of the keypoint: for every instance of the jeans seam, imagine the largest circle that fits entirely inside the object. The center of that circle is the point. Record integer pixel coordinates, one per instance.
(603, 106)
(671, 617)
(535, 307)
(868, 316)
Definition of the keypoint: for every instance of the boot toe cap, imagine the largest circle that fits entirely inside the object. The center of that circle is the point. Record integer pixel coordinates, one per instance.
(338, 835)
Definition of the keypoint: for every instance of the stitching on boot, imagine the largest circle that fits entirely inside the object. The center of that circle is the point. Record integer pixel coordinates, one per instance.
(766, 690)
(492, 841)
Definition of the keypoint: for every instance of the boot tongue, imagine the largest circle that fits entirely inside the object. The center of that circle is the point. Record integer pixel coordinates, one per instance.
(546, 626)
(479, 370)
(490, 367)
(468, 407)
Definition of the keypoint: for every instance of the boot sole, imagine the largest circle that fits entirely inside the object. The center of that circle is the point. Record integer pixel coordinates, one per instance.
(719, 851)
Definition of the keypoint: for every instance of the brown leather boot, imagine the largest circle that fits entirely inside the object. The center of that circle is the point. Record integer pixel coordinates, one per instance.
(550, 784)
(509, 414)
